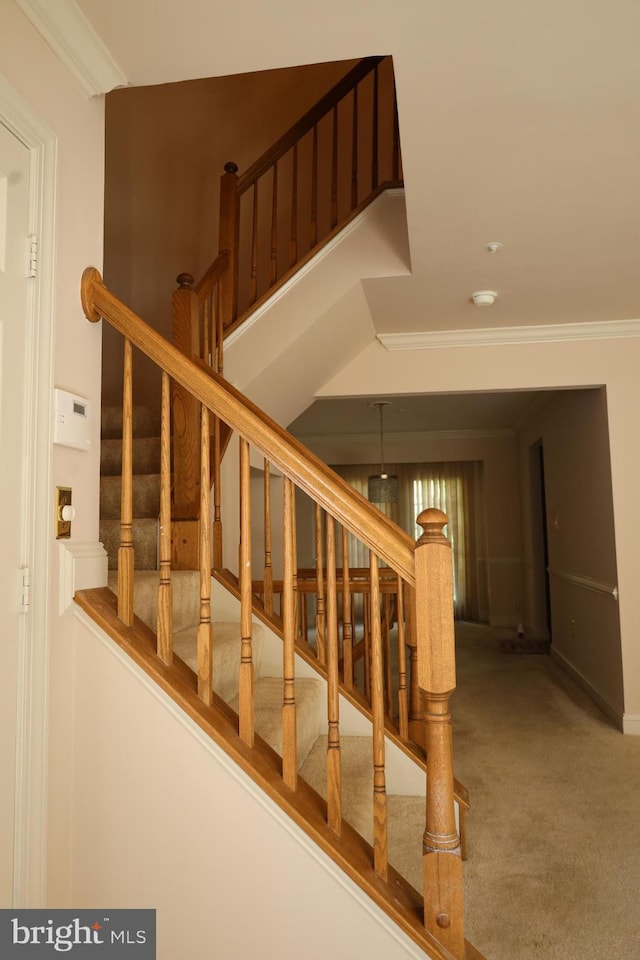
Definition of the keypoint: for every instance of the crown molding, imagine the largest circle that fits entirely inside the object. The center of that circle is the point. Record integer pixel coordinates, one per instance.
(495, 336)
(72, 38)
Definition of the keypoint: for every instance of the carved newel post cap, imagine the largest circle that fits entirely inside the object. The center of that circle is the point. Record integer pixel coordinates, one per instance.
(184, 280)
(432, 521)
(230, 167)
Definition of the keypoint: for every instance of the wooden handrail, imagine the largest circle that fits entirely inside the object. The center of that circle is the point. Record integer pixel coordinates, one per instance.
(334, 494)
(307, 122)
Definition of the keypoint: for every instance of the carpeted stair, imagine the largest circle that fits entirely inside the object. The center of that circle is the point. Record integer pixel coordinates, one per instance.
(146, 485)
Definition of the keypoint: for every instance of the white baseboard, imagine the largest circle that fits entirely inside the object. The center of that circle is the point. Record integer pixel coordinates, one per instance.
(83, 564)
(631, 724)
(608, 708)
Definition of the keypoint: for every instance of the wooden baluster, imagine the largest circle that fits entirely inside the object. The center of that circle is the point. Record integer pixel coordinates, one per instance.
(320, 597)
(386, 652)
(289, 732)
(403, 706)
(165, 587)
(304, 616)
(374, 133)
(396, 139)
(380, 844)
(219, 332)
(217, 496)
(354, 152)
(245, 709)
(296, 595)
(268, 564)
(334, 170)
(314, 189)
(442, 864)
(416, 713)
(186, 411)
(126, 561)
(228, 240)
(205, 630)
(253, 284)
(366, 642)
(334, 797)
(347, 620)
(293, 243)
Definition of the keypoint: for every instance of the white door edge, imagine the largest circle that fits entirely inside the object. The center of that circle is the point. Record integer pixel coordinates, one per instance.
(29, 886)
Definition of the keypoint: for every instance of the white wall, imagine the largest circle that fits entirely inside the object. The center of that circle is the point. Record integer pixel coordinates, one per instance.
(34, 71)
(581, 363)
(162, 819)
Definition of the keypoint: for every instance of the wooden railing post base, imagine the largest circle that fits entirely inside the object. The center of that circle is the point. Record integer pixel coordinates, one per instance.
(442, 879)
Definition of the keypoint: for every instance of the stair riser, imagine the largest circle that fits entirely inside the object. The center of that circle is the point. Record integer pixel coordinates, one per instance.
(146, 456)
(145, 543)
(146, 497)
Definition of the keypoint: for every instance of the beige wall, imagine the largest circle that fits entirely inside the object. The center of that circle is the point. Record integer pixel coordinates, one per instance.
(585, 622)
(33, 70)
(165, 152)
(157, 803)
(612, 363)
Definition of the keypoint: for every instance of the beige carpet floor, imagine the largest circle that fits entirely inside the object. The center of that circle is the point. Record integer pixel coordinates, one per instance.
(554, 831)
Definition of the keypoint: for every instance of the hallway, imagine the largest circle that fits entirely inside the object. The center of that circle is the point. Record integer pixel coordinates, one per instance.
(554, 828)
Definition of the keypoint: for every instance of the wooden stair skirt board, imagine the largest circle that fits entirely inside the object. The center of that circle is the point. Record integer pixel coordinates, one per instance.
(306, 805)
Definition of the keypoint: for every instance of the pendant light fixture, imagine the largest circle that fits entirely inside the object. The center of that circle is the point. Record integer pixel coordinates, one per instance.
(382, 488)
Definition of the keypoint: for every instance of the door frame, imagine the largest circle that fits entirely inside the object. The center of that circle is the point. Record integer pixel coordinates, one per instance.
(29, 866)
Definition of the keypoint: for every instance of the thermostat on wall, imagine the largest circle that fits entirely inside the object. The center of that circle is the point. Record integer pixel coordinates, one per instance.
(71, 426)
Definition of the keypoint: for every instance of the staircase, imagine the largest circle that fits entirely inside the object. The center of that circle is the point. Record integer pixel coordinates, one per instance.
(284, 714)
(406, 811)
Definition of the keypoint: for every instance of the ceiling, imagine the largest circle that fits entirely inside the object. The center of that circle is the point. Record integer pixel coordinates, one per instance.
(416, 414)
(519, 123)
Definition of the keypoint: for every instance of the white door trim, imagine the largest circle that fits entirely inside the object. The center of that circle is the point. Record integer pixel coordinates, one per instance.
(31, 754)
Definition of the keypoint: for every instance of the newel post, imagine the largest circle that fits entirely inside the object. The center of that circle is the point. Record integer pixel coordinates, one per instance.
(185, 409)
(228, 240)
(442, 865)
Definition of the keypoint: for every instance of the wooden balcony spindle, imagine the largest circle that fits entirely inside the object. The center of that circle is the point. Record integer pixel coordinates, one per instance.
(334, 170)
(246, 707)
(126, 561)
(334, 787)
(380, 842)
(403, 703)
(347, 621)
(293, 241)
(165, 587)
(396, 140)
(273, 259)
(375, 132)
(320, 595)
(219, 333)
(205, 630)
(289, 721)
(268, 563)
(354, 152)
(313, 239)
(253, 282)
(205, 352)
(228, 235)
(442, 864)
